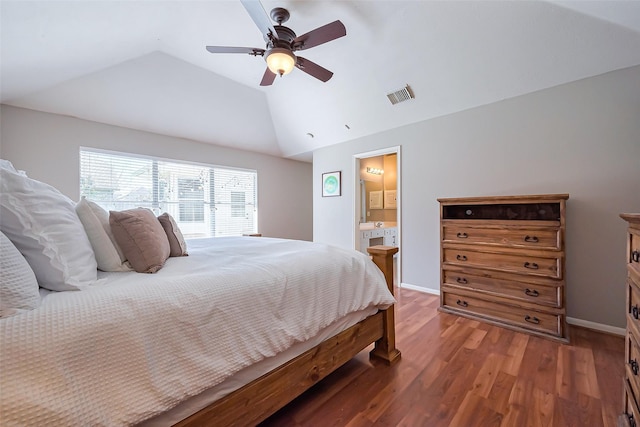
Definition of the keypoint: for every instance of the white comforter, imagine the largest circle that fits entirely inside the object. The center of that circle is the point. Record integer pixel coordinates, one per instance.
(135, 345)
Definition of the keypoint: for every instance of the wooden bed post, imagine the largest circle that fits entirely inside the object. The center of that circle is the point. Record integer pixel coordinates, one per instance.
(385, 348)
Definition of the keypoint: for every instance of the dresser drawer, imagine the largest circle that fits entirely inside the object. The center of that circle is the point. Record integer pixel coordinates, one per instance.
(631, 415)
(548, 295)
(632, 364)
(522, 264)
(532, 320)
(633, 306)
(520, 237)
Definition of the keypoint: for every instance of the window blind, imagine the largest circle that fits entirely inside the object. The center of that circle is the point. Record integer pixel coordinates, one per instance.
(205, 200)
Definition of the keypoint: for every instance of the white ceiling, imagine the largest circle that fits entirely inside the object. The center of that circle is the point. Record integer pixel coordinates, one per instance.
(143, 64)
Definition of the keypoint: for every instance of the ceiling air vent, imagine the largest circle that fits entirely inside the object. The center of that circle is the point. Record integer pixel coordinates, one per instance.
(401, 95)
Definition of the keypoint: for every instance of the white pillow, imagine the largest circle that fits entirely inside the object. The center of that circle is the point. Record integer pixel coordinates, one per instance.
(96, 223)
(43, 225)
(18, 284)
(6, 164)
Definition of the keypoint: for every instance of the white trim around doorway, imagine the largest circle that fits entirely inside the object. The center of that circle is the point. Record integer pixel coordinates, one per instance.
(357, 200)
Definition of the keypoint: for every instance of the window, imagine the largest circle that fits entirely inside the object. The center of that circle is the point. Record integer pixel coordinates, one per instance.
(205, 200)
(191, 197)
(238, 204)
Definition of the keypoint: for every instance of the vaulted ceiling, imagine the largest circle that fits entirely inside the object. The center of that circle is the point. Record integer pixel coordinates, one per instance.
(143, 64)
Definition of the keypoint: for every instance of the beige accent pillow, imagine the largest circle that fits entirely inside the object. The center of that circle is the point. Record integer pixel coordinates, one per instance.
(96, 223)
(177, 245)
(141, 238)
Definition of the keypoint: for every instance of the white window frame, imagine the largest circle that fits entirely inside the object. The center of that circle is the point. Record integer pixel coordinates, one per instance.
(160, 190)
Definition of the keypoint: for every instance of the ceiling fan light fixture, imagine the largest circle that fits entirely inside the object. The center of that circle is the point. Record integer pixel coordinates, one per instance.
(280, 60)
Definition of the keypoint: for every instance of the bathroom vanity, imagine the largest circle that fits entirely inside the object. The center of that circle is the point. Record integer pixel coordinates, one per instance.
(378, 233)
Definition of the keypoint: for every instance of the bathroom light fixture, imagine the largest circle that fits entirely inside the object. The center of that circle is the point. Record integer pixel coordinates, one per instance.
(375, 171)
(280, 61)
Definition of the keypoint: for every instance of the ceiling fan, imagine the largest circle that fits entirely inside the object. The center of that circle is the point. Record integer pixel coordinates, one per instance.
(282, 42)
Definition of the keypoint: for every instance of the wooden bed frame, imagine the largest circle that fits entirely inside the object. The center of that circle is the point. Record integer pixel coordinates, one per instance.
(262, 397)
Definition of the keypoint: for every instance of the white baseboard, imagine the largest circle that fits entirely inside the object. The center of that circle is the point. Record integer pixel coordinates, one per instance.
(570, 320)
(419, 289)
(597, 326)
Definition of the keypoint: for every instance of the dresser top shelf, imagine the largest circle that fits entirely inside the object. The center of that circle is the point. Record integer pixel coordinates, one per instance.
(492, 200)
(631, 217)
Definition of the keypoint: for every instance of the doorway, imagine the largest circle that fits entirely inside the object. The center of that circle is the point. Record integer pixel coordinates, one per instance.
(377, 202)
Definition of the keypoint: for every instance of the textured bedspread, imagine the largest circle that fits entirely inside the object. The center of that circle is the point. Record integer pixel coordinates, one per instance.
(135, 345)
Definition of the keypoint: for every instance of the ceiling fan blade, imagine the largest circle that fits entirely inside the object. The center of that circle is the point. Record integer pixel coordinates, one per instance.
(268, 78)
(231, 49)
(257, 13)
(320, 35)
(313, 69)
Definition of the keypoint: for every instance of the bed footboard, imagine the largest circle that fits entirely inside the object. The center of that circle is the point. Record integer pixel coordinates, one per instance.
(261, 398)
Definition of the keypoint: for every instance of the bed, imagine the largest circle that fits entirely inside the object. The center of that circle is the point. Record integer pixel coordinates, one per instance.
(136, 348)
(217, 331)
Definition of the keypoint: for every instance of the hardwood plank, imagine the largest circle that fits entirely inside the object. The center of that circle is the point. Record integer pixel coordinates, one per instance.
(474, 411)
(474, 340)
(539, 363)
(518, 406)
(498, 398)
(581, 411)
(515, 354)
(484, 381)
(379, 404)
(542, 408)
(456, 371)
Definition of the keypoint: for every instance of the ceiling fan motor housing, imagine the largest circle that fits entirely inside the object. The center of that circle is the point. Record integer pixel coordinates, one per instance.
(286, 36)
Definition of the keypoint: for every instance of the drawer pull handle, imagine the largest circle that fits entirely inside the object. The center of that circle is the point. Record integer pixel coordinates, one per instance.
(462, 235)
(531, 265)
(635, 312)
(461, 257)
(635, 256)
(462, 280)
(632, 421)
(462, 303)
(634, 366)
(531, 293)
(533, 320)
(531, 239)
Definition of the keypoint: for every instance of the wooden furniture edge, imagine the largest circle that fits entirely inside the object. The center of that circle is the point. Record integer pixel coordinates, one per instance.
(385, 348)
(502, 199)
(631, 217)
(262, 397)
(562, 338)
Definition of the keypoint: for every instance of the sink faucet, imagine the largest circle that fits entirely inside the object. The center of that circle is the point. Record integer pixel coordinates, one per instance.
(378, 224)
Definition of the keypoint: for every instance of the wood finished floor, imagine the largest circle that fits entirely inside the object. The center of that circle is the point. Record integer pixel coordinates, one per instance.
(460, 372)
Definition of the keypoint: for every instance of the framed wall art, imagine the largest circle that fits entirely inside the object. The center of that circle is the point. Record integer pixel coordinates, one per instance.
(331, 185)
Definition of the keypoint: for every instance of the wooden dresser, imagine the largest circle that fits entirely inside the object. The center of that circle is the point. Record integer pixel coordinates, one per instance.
(631, 416)
(502, 261)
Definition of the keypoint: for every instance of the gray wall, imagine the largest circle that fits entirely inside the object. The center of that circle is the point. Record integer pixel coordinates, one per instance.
(581, 138)
(47, 145)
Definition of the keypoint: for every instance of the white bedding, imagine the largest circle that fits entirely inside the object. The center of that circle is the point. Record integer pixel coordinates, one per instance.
(136, 345)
